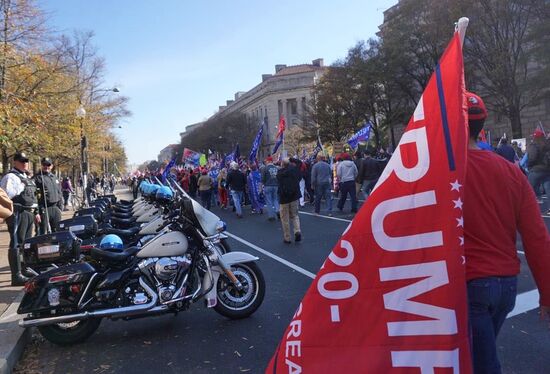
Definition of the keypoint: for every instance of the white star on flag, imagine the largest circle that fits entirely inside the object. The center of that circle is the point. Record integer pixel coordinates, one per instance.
(458, 203)
(460, 222)
(461, 238)
(455, 185)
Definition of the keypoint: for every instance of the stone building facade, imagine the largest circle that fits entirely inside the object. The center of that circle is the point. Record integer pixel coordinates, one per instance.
(285, 93)
(166, 153)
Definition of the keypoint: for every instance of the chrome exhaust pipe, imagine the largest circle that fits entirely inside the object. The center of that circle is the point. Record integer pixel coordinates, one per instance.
(113, 312)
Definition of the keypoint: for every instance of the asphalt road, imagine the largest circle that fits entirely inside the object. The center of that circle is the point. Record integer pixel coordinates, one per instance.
(201, 341)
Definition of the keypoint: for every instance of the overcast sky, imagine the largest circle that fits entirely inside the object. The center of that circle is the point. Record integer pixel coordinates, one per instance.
(178, 61)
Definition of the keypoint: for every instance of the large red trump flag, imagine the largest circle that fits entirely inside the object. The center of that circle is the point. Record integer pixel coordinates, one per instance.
(391, 296)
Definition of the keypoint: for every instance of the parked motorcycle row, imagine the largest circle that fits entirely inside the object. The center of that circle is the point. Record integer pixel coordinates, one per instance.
(131, 259)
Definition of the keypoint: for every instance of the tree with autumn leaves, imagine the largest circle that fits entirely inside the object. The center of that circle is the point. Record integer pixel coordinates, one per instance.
(506, 55)
(44, 78)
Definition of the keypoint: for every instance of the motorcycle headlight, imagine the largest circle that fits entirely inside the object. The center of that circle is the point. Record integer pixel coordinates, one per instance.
(221, 226)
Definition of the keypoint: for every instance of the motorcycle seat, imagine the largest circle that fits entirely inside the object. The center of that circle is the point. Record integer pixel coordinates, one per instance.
(121, 215)
(125, 233)
(123, 220)
(112, 256)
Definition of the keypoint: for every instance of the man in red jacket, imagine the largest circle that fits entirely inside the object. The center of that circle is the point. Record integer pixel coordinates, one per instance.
(498, 202)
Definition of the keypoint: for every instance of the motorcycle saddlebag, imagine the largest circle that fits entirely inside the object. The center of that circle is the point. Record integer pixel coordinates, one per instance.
(85, 227)
(43, 250)
(95, 211)
(58, 290)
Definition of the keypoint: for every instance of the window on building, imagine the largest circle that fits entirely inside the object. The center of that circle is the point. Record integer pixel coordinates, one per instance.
(280, 107)
(293, 106)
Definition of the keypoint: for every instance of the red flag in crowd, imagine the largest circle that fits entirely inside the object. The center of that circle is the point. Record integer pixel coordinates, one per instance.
(282, 126)
(391, 297)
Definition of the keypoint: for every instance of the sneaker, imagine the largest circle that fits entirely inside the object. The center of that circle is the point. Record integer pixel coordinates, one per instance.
(330, 214)
(271, 219)
(297, 237)
(286, 241)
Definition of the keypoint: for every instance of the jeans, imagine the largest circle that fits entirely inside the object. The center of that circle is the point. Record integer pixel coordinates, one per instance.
(323, 190)
(489, 302)
(289, 212)
(237, 200)
(271, 200)
(302, 185)
(206, 197)
(368, 185)
(345, 189)
(538, 178)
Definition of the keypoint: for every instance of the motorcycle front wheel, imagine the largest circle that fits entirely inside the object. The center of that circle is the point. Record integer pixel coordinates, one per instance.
(70, 333)
(237, 304)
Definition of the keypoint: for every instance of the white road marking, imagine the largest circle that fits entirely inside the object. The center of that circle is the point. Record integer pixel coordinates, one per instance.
(327, 217)
(275, 257)
(525, 302)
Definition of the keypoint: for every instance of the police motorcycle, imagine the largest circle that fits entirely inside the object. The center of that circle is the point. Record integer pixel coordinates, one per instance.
(169, 273)
(82, 233)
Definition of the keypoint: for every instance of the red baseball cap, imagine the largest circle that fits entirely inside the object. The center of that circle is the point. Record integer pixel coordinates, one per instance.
(476, 107)
(538, 134)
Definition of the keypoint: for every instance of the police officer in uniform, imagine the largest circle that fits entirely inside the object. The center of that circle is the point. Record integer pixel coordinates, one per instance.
(22, 190)
(50, 197)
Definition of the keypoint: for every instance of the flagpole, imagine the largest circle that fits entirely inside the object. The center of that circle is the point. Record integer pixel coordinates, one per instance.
(461, 26)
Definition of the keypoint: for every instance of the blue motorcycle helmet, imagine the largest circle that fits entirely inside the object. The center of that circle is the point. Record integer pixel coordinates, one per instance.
(164, 194)
(111, 242)
(143, 185)
(153, 190)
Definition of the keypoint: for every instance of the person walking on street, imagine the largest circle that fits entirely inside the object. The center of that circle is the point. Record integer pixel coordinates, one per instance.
(193, 182)
(222, 190)
(538, 163)
(321, 183)
(22, 191)
(498, 203)
(67, 190)
(50, 201)
(271, 186)
(289, 194)
(369, 172)
(505, 150)
(205, 189)
(347, 173)
(236, 183)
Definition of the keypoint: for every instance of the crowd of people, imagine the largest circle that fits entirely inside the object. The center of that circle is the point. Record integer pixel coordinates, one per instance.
(280, 187)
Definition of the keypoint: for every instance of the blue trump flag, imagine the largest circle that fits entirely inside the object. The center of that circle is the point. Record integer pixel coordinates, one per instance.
(278, 143)
(167, 169)
(318, 148)
(361, 135)
(256, 144)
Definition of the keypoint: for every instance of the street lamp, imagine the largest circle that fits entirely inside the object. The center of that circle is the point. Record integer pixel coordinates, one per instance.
(81, 114)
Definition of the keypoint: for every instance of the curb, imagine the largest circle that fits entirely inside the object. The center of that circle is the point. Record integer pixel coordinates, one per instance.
(14, 338)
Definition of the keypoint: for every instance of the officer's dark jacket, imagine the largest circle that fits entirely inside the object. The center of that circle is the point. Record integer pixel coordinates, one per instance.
(48, 183)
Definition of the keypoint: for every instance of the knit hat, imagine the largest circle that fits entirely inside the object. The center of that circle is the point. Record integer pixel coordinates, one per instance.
(269, 159)
(476, 107)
